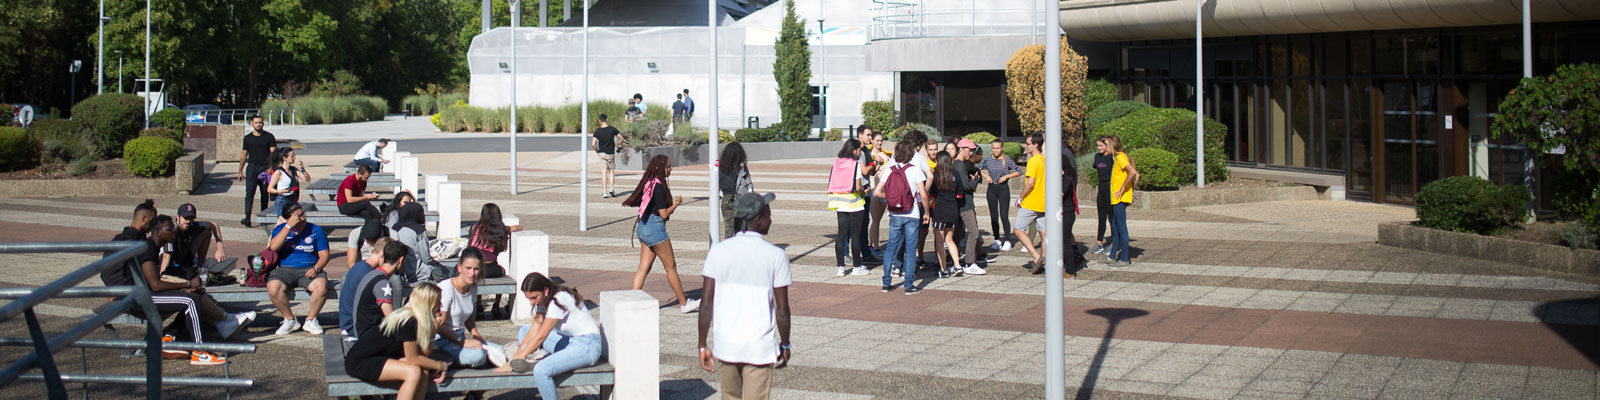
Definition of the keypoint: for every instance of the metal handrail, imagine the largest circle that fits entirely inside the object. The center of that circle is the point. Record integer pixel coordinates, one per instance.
(123, 251)
(900, 19)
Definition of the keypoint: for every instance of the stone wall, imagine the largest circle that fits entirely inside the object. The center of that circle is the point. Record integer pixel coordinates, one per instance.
(189, 172)
(1547, 257)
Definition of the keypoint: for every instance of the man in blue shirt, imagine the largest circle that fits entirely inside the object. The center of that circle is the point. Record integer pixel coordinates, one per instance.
(302, 249)
(688, 106)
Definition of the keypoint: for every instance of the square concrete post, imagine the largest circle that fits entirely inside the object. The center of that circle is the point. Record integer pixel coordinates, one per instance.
(631, 322)
(430, 195)
(449, 210)
(408, 174)
(530, 253)
(390, 152)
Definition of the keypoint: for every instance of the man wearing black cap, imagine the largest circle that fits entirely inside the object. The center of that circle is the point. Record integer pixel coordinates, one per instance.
(750, 315)
(194, 241)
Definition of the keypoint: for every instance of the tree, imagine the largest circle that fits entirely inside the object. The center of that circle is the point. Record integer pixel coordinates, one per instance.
(792, 70)
(1558, 111)
(1025, 85)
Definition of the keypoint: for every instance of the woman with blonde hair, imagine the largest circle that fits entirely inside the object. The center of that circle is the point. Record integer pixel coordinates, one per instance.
(1123, 178)
(398, 349)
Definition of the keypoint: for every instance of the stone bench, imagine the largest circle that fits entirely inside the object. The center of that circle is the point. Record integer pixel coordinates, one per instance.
(329, 218)
(330, 187)
(341, 384)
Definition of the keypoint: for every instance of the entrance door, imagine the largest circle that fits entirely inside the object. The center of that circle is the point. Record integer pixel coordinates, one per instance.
(1408, 153)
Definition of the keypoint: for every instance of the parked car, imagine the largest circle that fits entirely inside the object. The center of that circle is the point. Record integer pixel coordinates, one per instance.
(206, 113)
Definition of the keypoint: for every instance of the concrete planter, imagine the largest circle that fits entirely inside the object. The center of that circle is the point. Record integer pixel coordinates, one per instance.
(1143, 200)
(189, 172)
(754, 151)
(1547, 257)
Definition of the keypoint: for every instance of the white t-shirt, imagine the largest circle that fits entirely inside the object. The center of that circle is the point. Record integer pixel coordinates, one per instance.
(458, 307)
(572, 323)
(914, 179)
(368, 151)
(744, 324)
(355, 242)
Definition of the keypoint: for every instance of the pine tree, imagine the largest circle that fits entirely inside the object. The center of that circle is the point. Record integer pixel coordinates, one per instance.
(792, 70)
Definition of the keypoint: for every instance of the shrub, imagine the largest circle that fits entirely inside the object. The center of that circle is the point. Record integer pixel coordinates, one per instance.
(338, 110)
(275, 111)
(438, 122)
(981, 138)
(1025, 85)
(724, 137)
(1012, 150)
(369, 108)
(833, 135)
(654, 134)
(897, 133)
(1110, 112)
(1158, 169)
(64, 140)
(1556, 111)
(170, 118)
(151, 156)
(1086, 170)
(113, 118)
(420, 104)
(1141, 129)
(1178, 138)
(879, 115)
(755, 135)
(8, 114)
(1099, 93)
(176, 136)
(1470, 204)
(1592, 217)
(449, 99)
(1574, 191)
(1578, 236)
(18, 149)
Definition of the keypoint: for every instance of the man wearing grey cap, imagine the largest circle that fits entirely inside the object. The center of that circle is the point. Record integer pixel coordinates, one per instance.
(746, 304)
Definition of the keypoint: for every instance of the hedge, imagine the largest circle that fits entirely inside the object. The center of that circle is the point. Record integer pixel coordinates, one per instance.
(1158, 169)
(338, 110)
(879, 115)
(170, 118)
(833, 135)
(755, 135)
(981, 138)
(461, 117)
(1142, 128)
(897, 133)
(1086, 169)
(64, 140)
(1099, 93)
(1470, 204)
(1178, 138)
(8, 114)
(18, 149)
(420, 104)
(151, 156)
(113, 118)
(176, 136)
(1110, 112)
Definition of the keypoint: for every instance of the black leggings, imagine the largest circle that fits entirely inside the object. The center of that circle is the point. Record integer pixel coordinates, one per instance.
(363, 209)
(1102, 207)
(850, 235)
(999, 207)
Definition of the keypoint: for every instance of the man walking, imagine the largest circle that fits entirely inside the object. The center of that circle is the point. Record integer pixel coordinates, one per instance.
(746, 304)
(253, 158)
(678, 110)
(688, 106)
(371, 155)
(605, 146)
(1031, 209)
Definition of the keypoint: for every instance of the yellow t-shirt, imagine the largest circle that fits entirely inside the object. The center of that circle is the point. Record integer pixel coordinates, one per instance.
(1119, 175)
(1035, 199)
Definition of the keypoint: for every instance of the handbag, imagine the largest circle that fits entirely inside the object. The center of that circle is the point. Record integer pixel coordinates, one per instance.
(258, 277)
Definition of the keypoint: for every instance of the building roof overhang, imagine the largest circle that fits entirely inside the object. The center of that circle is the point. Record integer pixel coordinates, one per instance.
(1127, 20)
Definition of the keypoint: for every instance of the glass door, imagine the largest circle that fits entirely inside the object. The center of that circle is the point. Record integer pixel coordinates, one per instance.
(1409, 150)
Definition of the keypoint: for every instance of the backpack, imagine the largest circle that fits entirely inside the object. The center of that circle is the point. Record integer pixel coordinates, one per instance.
(254, 278)
(897, 192)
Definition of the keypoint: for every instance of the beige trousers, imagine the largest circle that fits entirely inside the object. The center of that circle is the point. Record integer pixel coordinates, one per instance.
(745, 381)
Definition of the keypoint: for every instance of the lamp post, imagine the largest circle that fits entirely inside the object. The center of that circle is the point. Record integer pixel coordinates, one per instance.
(822, 68)
(715, 222)
(147, 72)
(119, 71)
(583, 137)
(1199, 97)
(1055, 366)
(516, 19)
(100, 57)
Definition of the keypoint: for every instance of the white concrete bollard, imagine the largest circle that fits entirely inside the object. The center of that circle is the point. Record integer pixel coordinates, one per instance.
(408, 174)
(530, 253)
(449, 210)
(390, 152)
(430, 195)
(631, 322)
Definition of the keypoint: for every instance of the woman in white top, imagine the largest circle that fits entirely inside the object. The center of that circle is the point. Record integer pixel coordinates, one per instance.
(459, 338)
(565, 330)
(287, 173)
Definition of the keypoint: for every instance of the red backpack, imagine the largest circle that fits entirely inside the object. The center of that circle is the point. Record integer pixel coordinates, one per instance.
(897, 192)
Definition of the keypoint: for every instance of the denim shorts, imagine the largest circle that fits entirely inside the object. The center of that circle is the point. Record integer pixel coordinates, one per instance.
(652, 231)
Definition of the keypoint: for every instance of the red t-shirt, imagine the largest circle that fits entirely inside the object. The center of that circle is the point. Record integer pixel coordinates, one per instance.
(351, 183)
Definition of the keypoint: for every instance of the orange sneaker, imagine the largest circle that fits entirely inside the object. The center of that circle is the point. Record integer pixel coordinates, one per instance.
(206, 358)
(170, 354)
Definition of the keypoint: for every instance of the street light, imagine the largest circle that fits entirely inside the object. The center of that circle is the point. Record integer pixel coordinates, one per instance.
(516, 19)
(100, 57)
(119, 71)
(73, 68)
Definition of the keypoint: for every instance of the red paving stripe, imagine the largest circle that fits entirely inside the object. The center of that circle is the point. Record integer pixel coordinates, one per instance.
(1513, 343)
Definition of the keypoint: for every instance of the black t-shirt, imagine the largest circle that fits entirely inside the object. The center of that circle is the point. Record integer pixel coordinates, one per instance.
(370, 300)
(658, 201)
(606, 140)
(119, 276)
(373, 343)
(186, 260)
(946, 203)
(1102, 168)
(258, 148)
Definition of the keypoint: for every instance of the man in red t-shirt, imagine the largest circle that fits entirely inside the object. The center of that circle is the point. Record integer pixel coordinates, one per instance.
(353, 199)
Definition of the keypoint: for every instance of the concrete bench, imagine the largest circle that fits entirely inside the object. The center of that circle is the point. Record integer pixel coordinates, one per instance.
(330, 187)
(457, 380)
(235, 294)
(326, 219)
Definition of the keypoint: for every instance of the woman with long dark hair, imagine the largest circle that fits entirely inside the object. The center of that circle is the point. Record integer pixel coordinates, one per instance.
(946, 212)
(884, 157)
(850, 208)
(491, 236)
(733, 179)
(656, 205)
(391, 213)
(561, 326)
(287, 172)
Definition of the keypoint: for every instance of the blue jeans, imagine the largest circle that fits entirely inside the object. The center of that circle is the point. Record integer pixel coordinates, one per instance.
(902, 251)
(372, 165)
(1119, 232)
(566, 354)
(461, 356)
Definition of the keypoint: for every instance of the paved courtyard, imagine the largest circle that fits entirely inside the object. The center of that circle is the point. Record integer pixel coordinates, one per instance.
(1280, 300)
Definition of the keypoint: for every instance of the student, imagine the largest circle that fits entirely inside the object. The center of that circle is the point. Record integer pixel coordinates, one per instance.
(373, 297)
(678, 110)
(1103, 161)
(605, 142)
(391, 211)
(997, 170)
(459, 341)
(733, 177)
(638, 101)
(187, 296)
(688, 106)
(420, 265)
(371, 155)
(746, 281)
(353, 199)
(397, 351)
(303, 254)
(362, 242)
(287, 173)
(354, 280)
(253, 158)
(946, 213)
(967, 184)
(1030, 209)
(1123, 178)
(869, 170)
(195, 239)
(656, 205)
(565, 329)
(849, 208)
(903, 226)
(882, 157)
(490, 236)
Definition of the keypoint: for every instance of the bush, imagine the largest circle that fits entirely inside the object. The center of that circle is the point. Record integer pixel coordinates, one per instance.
(1013, 150)
(1025, 86)
(275, 111)
(1110, 112)
(176, 136)
(1578, 236)
(1556, 111)
(833, 135)
(1178, 138)
(170, 118)
(1158, 169)
(8, 114)
(18, 149)
(1141, 129)
(338, 110)
(1574, 191)
(897, 133)
(449, 99)
(1470, 204)
(879, 115)
(724, 137)
(981, 138)
(64, 140)
(1099, 93)
(113, 118)
(755, 135)
(151, 156)
(1086, 170)
(420, 104)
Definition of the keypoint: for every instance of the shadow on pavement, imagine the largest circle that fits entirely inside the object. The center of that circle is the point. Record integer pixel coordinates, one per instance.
(1114, 316)
(1565, 318)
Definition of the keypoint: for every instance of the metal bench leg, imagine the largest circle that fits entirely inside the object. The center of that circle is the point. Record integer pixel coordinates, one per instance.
(126, 353)
(605, 392)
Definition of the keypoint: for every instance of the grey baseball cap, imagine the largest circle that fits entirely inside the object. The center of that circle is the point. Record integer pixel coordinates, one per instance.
(748, 205)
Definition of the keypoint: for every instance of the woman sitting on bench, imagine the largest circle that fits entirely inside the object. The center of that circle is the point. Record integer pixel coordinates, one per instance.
(393, 352)
(565, 330)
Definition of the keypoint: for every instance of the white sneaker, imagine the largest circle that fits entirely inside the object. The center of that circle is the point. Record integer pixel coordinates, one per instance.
(228, 326)
(691, 306)
(974, 269)
(1005, 246)
(1022, 249)
(313, 326)
(249, 316)
(288, 326)
(858, 271)
(841, 272)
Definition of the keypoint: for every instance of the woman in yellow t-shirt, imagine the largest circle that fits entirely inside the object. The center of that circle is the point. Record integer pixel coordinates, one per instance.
(1123, 178)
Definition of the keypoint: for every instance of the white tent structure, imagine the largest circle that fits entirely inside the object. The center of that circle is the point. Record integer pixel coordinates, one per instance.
(659, 62)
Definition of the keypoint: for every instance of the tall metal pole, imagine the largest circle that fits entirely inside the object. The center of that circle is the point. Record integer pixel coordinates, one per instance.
(119, 71)
(822, 70)
(714, 224)
(566, 10)
(1055, 365)
(1527, 72)
(583, 141)
(100, 60)
(1199, 97)
(516, 20)
(146, 62)
(487, 17)
(544, 12)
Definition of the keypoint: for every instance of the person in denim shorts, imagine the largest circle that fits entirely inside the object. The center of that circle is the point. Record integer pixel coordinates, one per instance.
(656, 205)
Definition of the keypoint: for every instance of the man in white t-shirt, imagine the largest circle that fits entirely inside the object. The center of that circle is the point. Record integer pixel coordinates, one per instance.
(746, 305)
(901, 256)
(371, 156)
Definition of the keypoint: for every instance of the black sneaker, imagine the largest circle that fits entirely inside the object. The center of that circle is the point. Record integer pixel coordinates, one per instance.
(912, 290)
(245, 221)
(887, 288)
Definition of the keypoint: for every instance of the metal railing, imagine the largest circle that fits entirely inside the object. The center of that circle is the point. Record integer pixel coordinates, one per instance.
(901, 19)
(228, 116)
(24, 300)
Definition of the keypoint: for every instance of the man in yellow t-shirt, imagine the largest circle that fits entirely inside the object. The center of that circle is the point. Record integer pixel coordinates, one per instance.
(1031, 209)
